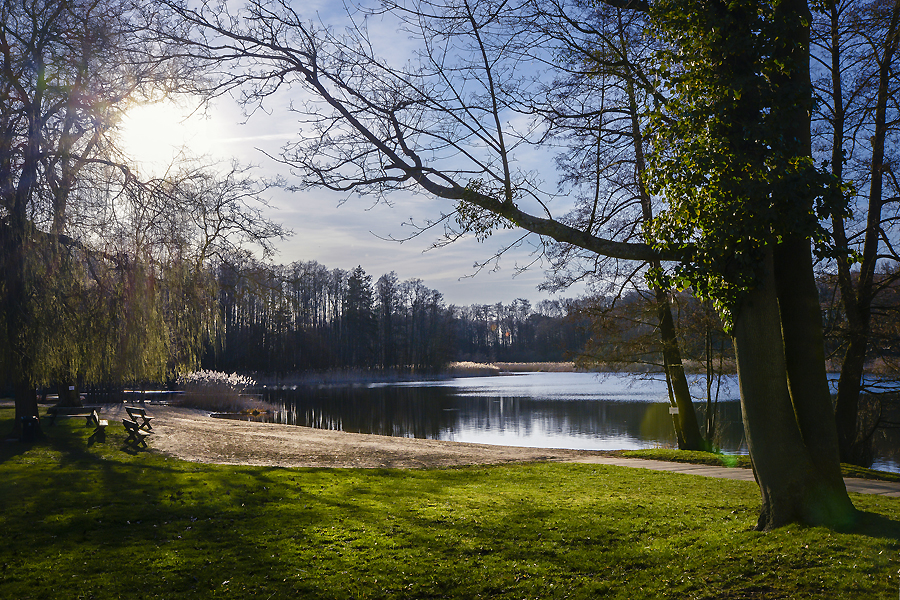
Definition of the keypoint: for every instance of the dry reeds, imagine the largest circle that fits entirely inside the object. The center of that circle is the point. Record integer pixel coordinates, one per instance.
(220, 392)
(472, 369)
(536, 367)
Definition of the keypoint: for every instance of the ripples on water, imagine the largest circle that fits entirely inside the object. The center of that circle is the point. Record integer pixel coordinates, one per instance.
(548, 410)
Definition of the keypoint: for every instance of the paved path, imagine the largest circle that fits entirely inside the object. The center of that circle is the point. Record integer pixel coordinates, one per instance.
(854, 484)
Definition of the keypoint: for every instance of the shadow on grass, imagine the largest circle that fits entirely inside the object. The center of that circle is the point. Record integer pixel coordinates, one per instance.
(877, 526)
(11, 449)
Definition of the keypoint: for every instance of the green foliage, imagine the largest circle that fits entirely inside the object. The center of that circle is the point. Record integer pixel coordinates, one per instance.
(91, 521)
(191, 314)
(91, 319)
(479, 221)
(728, 155)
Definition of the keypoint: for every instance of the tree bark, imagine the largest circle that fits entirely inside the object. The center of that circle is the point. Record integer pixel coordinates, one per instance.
(804, 349)
(18, 318)
(17, 303)
(690, 438)
(796, 484)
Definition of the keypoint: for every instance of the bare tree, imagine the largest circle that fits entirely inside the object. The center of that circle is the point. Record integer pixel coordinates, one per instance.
(857, 57)
(84, 243)
(595, 108)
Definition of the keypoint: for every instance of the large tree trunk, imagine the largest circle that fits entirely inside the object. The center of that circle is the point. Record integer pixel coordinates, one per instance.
(795, 482)
(804, 350)
(16, 238)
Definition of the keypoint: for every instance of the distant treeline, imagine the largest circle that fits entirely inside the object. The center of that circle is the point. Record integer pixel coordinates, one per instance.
(304, 316)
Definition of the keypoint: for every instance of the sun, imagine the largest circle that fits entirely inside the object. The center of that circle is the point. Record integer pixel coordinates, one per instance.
(155, 136)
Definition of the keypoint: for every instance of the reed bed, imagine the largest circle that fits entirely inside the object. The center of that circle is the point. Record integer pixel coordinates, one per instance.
(536, 367)
(221, 392)
(472, 369)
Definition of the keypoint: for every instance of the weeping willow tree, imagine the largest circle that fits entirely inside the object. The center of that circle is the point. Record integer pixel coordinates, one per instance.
(138, 303)
(192, 316)
(194, 220)
(95, 318)
(70, 68)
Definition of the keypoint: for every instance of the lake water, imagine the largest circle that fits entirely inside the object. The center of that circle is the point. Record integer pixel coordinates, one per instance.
(545, 410)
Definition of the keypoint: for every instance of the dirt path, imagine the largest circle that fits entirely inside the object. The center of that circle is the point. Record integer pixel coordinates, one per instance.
(192, 435)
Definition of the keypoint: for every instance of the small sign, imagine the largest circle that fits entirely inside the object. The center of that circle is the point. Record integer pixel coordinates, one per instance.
(71, 388)
(673, 410)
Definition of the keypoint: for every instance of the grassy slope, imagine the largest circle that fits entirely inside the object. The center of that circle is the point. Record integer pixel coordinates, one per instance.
(84, 520)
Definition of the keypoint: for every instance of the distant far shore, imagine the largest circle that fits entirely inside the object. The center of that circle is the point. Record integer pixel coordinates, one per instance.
(468, 368)
(453, 370)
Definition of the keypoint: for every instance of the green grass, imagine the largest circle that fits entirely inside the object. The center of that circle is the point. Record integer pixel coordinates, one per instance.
(88, 520)
(740, 461)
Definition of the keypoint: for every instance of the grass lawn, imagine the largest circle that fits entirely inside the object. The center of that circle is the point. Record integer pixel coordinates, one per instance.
(84, 520)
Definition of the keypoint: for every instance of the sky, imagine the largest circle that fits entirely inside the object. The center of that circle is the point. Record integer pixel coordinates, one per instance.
(337, 230)
(340, 231)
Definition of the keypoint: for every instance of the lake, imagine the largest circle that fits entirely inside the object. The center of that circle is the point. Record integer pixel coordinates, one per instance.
(546, 410)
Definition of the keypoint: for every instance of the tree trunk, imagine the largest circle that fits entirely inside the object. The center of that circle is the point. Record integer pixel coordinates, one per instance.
(796, 485)
(846, 406)
(17, 321)
(804, 350)
(690, 438)
(847, 403)
(69, 394)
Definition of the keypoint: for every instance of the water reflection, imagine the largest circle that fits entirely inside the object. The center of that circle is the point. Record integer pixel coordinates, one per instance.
(548, 410)
(558, 410)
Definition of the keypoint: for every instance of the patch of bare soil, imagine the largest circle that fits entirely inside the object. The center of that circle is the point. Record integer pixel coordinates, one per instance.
(193, 435)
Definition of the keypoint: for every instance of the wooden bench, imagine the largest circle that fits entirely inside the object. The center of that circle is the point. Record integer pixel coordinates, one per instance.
(139, 416)
(99, 427)
(99, 424)
(136, 436)
(91, 413)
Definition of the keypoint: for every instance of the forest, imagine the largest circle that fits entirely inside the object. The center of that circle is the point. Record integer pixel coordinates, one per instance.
(281, 320)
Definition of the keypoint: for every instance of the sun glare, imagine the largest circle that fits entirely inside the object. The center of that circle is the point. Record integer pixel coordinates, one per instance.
(156, 135)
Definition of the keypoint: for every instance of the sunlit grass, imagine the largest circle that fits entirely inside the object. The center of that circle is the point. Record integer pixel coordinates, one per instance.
(89, 520)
